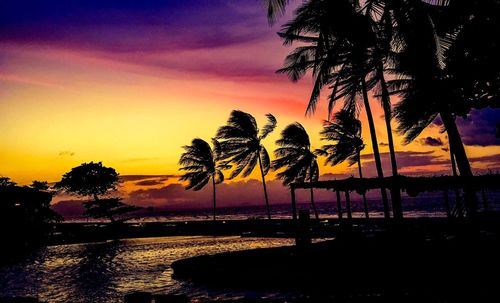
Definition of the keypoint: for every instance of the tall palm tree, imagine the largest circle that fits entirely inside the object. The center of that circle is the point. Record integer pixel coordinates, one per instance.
(339, 50)
(241, 144)
(201, 164)
(380, 27)
(422, 47)
(345, 133)
(295, 155)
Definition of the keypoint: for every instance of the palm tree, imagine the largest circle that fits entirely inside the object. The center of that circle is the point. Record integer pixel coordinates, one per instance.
(345, 133)
(201, 164)
(339, 48)
(241, 144)
(425, 85)
(295, 155)
(380, 28)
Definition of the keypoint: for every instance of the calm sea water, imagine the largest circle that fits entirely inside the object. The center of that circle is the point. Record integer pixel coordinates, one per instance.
(104, 272)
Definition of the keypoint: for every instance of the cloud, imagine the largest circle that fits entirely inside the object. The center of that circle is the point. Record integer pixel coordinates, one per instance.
(409, 162)
(383, 144)
(430, 141)
(30, 81)
(480, 127)
(150, 182)
(491, 159)
(127, 178)
(241, 193)
(215, 38)
(66, 153)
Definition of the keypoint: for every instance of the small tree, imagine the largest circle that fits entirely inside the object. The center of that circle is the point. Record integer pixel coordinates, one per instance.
(93, 180)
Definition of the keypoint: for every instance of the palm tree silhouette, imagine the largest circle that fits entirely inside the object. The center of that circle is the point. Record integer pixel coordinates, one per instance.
(295, 155)
(339, 47)
(378, 27)
(241, 144)
(201, 164)
(345, 133)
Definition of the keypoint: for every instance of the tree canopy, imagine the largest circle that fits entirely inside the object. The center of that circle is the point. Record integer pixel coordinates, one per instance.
(89, 179)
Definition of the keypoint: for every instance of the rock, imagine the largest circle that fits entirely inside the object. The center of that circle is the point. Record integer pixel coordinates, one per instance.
(138, 297)
(171, 298)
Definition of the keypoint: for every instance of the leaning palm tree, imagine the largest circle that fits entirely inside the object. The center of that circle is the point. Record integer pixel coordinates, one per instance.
(201, 164)
(365, 27)
(295, 155)
(345, 133)
(240, 141)
(337, 46)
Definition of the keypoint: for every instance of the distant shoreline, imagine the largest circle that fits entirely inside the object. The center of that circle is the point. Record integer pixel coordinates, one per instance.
(71, 233)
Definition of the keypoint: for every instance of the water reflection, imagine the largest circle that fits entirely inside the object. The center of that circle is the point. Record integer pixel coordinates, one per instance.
(103, 272)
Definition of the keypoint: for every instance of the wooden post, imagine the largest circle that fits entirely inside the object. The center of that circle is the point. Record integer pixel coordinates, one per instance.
(447, 204)
(485, 201)
(348, 205)
(339, 205)
(294, 206)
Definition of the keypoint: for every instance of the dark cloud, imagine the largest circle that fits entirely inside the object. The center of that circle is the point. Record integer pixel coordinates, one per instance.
(491, 159)
(430, 141)
(127, 178)
(147, 34)
(479, 128)
(241, 193)
(150, 182)
(130, 26)
(409, 162)
(383, 144)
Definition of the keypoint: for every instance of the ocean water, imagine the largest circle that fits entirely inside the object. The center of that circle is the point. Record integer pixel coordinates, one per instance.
(106, 271)
(424, 205)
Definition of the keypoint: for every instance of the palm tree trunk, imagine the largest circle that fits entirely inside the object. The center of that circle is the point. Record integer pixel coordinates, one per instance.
(397, 208)
(456, 144)
(265, 189)
(339, 205)
(376, 153)
(213, 183)
(312, 194)
(458, 204)
(314, 205)
(365, 205)
(462, 161)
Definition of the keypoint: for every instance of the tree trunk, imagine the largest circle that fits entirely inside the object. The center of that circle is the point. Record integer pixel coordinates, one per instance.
(397, 208)
(213, 183)
(312, 194)
(462, 161)
(458, 203)
(348, 205)
(365, 205)
(264, 186)
(376, 153)
(339, 205)
(456, 144)
(314, 205)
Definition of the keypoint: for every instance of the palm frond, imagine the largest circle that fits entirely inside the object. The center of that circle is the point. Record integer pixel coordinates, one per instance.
(269, 126)
(275, 8)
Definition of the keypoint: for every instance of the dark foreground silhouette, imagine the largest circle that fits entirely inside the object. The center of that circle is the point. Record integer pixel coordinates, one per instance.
(408, 263)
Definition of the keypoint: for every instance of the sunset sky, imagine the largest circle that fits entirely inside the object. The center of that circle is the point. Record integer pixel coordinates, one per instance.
(129, 83)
